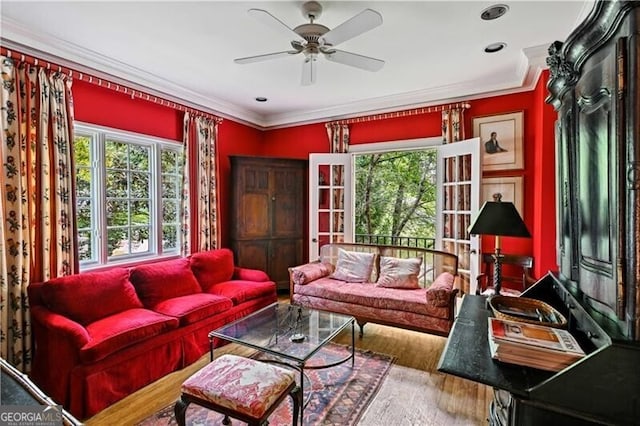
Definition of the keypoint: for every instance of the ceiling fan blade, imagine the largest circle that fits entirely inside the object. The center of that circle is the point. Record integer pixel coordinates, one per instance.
(265, 57)
(354, 60)
(362, 22)
(275, 23)
(309, 71)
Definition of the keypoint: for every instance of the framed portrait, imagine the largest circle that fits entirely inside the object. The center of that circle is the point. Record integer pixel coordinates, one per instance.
(501, 141)
(509, 187)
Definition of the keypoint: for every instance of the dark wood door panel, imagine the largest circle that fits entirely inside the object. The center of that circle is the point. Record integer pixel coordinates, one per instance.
(252, 254)
(254, 216)
(287, 218)
(284, 254)
(255, 179)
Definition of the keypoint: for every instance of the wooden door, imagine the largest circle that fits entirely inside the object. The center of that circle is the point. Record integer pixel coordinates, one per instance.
(286, 202)
(252, 199)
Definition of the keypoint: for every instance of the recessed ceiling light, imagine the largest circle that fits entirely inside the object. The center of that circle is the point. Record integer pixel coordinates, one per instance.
(495, 47)
(261, 99)
(494, 12)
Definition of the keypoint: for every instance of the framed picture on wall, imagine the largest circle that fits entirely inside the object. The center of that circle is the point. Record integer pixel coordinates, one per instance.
(501, 141)
(510, 188)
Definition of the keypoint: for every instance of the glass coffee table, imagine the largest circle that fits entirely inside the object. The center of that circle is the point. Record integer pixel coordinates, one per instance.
(291, 334)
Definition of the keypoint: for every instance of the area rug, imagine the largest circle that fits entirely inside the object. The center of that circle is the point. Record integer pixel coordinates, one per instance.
(339, 395)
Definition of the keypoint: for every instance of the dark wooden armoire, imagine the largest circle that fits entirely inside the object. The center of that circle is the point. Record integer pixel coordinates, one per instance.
(594, 86)
(267, 214)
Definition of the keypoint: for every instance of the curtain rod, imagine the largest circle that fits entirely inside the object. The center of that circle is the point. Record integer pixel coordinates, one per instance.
(405, 113)
(106, 83)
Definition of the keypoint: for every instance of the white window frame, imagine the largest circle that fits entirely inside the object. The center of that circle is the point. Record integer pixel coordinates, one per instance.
(99, 135)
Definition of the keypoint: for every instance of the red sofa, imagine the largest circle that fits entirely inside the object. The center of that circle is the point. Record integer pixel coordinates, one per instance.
(99, 336)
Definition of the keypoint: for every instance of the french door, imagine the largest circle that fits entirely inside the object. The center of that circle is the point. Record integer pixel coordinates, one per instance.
(458, 202)
(330, 201)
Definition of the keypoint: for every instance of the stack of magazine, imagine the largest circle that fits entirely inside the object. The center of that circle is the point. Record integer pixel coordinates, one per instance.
(536, 346)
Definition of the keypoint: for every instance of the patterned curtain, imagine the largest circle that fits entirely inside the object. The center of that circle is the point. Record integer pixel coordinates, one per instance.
(452, 125)
(338, 137)
(339, 143)
(201, 132)
(37, 233)
(185, 199)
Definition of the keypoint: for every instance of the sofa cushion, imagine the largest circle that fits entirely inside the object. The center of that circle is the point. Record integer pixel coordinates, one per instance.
(212, 267)
(160, 281)
(123, 329)
(353, 266)
(193, 307)
(399, 273)
(242, 291)
(90, 296)
(366, 294)
(311, 271)
(439, 292)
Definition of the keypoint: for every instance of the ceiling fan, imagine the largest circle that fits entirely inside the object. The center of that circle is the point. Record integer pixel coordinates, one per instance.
(312, 39)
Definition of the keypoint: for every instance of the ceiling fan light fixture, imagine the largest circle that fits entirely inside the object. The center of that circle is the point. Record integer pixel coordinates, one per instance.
(494, 12)
(312, 40)
(495, 47)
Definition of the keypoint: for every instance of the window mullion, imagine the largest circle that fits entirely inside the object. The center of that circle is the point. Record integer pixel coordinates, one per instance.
(100, 197)
(155, 204)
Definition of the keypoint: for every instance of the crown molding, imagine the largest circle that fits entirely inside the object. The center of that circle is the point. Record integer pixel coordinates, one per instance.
(16, 36)
(529, 69)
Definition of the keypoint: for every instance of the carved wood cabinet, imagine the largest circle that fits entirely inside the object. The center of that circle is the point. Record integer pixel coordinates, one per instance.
(267, 214)
(595, 87)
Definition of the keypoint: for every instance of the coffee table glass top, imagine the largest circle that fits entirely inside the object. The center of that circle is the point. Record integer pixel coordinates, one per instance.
(285, 330)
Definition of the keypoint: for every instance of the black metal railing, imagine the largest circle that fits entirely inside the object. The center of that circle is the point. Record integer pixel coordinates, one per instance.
(389, 240)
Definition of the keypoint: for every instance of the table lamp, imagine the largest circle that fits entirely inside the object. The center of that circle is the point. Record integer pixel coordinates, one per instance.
(499, 219)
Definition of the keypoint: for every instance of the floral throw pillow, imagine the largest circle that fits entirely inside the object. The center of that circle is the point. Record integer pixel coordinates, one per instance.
(353, 266)
(399, 273)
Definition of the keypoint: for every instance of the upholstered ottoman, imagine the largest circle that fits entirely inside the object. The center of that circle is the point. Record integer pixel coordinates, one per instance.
(238, 387)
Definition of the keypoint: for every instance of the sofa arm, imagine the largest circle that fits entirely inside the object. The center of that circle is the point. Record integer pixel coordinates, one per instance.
(441, 292)
(308, 272)
(60, 326)
(247, 274)
(58, 341)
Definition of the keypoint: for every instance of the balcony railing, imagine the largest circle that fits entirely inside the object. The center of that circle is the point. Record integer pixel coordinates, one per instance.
(389, 240)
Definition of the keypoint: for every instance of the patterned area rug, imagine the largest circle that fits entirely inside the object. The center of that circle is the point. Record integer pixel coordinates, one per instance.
(339, 395)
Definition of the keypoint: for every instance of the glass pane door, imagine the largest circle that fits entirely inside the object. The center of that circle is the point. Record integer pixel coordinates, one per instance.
(458, 202)
(330, 201)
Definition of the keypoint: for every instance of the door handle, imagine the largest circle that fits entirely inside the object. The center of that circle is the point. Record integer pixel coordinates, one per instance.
(473, 251)
(314, 240)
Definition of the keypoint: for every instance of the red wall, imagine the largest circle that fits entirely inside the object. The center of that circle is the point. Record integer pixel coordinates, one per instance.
(102, 106)
(99, 105)
(544, 197)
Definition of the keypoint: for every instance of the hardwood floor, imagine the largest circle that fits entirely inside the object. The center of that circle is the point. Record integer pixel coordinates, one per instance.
(462, 399)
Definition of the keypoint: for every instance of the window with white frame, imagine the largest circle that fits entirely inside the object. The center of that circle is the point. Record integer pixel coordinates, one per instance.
(128, 190)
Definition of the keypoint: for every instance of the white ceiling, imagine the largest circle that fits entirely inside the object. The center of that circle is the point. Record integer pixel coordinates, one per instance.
(433, 51)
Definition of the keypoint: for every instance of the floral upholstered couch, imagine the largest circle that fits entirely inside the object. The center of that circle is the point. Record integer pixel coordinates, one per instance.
(411, 288)
(100, 336)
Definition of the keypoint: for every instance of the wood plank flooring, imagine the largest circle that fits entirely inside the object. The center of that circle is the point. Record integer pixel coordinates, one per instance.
(463, 401)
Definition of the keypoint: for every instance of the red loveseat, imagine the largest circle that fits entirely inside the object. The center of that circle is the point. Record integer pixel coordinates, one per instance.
(99, 336)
